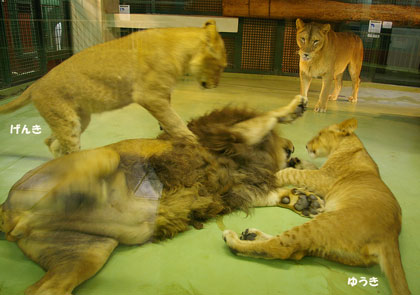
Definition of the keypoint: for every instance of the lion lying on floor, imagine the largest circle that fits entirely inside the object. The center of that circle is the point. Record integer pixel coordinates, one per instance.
(141, 68)
(361, 220)
(69, 214)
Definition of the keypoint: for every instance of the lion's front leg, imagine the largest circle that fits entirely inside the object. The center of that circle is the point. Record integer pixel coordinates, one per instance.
(305, 83)
(321, 105)
(158, 104)
(300, 201)
(301, 164)
(303, 202)
(313, 180)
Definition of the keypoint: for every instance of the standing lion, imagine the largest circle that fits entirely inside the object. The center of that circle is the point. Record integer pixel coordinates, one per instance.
(326, 54)
(140, 68)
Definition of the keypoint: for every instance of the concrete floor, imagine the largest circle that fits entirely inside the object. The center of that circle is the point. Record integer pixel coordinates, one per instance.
(197, 261)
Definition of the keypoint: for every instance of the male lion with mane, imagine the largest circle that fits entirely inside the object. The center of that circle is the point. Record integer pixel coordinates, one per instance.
(326, 54)
(361, 219)
(69, 214)
(142, 68)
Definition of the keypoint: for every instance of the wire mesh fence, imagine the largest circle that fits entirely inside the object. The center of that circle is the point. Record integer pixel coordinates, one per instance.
(258, 44)
(34, 36)
(186, 7)
(392, 56)
(290, 58)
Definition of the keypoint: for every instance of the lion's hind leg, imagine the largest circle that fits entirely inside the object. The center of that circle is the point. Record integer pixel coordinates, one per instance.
(259, 245)
(310, 238)
(81, 184)
(253, 234)
(355, 67)
(64, 123)
(254, 130)
(338, 83)
(292, 111)
(318, 237)
(69, 258)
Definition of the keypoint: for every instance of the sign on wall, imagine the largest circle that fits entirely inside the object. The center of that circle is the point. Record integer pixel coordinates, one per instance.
(374, 28)
(125, 9)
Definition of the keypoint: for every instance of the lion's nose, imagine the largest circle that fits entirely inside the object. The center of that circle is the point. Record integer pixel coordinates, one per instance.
(204, 84)
(306, 55)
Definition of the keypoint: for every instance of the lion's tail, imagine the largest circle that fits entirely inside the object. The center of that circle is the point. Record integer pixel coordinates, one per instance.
(21, 101)
(390, 261)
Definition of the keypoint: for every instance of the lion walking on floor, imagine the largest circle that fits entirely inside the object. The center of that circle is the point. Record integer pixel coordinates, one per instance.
(326, 54)
(141, 68)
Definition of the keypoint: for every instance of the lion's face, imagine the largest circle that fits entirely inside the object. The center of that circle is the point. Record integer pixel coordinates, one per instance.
(284, 153)
(329, 138)
(208, 64)
(310, 38)
(321, 145)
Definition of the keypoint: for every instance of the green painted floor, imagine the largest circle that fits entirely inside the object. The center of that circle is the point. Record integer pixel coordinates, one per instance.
(198, 262)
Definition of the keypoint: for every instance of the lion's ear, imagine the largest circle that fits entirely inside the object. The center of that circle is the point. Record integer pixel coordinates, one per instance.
(326, 28)
(210, 22)
(347, 127)
(211, 31)
(299, 24)
(211, 35)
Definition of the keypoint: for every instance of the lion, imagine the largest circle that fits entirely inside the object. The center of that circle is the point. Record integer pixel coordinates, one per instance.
(361, 219)
(326, 54)
(142, 68)
(69, 214)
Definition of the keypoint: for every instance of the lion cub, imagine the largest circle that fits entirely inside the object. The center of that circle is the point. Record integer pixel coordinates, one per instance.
(142, 68)
(326, 54)
(361, 219)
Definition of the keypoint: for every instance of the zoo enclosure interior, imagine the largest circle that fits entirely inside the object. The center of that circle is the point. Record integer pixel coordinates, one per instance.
(36, 35)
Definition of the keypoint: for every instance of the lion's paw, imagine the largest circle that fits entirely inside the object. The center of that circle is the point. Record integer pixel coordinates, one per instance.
(301, 164)
(230, 238)
(333, 97)
(352, 99)
(318, 109)
(229, 235)
(304, 203)
(253, 234)
(302, 104)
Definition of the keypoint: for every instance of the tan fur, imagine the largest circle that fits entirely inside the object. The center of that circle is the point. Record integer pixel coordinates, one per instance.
(326, 54)
(142, 68)
(362, 218)
(70, 213)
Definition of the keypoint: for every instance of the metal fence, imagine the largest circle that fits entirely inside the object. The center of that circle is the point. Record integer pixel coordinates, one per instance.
(269, 47)
(184, 7)
(34, 37)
